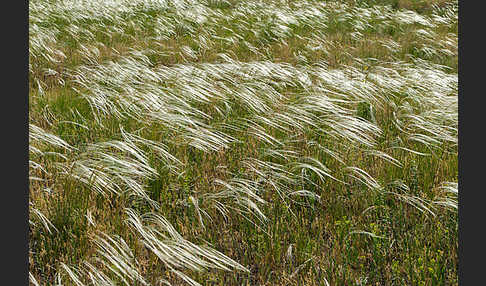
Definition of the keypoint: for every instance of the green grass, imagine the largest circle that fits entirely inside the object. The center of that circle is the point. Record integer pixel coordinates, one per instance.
(304, 142)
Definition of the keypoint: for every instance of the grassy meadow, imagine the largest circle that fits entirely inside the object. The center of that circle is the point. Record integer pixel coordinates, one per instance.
(243, 142)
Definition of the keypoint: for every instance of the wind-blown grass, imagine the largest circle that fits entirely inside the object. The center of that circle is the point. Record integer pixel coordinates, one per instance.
(243, 142)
